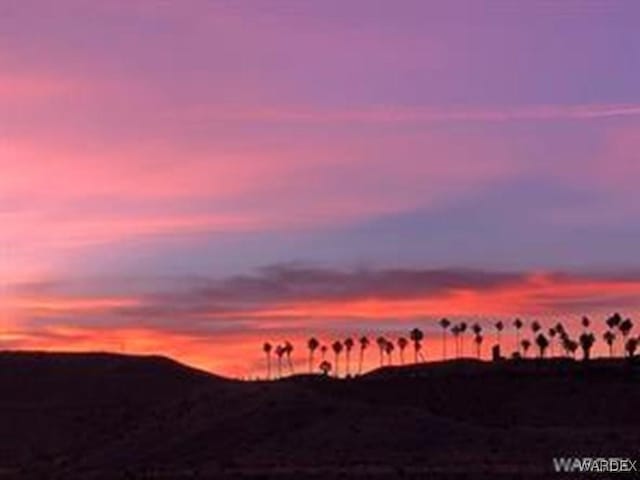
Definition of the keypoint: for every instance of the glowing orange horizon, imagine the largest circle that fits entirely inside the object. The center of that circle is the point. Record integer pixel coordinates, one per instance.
(236, 350)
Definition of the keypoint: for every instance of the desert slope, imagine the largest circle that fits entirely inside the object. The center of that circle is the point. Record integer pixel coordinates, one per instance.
(112, 416)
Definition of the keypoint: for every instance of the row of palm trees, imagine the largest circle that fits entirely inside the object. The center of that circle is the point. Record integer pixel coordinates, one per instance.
(544, 340)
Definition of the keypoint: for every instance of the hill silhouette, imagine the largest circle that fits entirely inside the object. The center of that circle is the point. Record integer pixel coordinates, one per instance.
(113, 416)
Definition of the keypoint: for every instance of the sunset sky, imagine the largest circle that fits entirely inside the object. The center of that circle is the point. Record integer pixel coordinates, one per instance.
(194, 177)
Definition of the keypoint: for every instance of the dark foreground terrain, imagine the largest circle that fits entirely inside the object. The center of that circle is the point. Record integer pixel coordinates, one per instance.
(103, 416)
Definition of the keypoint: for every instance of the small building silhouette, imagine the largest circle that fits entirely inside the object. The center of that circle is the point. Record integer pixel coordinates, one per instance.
(495, 353)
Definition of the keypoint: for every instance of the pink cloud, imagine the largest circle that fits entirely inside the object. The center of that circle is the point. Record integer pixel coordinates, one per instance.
(221, 324)
(395, 114)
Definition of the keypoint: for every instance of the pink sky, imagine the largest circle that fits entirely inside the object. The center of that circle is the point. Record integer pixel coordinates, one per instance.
(154, 149)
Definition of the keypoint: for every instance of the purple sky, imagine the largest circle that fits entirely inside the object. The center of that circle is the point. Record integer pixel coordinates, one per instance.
(147, 144)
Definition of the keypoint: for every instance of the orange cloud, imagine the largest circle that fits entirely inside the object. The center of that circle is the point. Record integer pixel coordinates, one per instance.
(220, 325)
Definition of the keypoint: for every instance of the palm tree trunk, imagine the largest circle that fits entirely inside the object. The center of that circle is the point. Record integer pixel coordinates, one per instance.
(361, 361)
(310, 361)
(290, 364)
(348, 360)
(337, 371)
(268, 366)
(444, 344)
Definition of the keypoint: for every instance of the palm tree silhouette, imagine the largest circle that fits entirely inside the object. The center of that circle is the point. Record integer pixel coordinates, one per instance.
(609, 337)
(323, 352)
(625, 328)
(280, 351)
(499, 327)
(631, 346)
(476, 328)
(325, 367)
(585, 323)
(337, 349)
(542, 342)
(313, 345)
(348, 346)
(388, 349)
(552, 334)
(266, 348)
(562, 334)
(564, 341)
(613, 321)
(402, 344)
(364, 343)
(572, 347)
(526, 344)
(444, 324)
(478, 341)
(382, 343)
(288, 350)
(416, 337)
(587, 340)
(455, 331)
(517, 323)
(462, 326)
(535, 327)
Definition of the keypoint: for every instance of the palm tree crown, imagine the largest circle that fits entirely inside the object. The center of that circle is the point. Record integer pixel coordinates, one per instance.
(586, 343)
(337, 349)
(631, 346)
(416, 337)
(444, 324)
(542, 342)
(325, 367)
(313, 345)
(267, 348)
(625, 327)
(348, 346)
(609, 337)
(288, 350)
(517, 323)
(364, 344)
(614, 320)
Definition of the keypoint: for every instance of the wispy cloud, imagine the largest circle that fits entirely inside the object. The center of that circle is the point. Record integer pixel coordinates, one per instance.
(218, 323)
(397, 114)
(303, 291)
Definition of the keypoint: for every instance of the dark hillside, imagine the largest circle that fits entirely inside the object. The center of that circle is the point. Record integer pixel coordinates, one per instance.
(108, 416)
